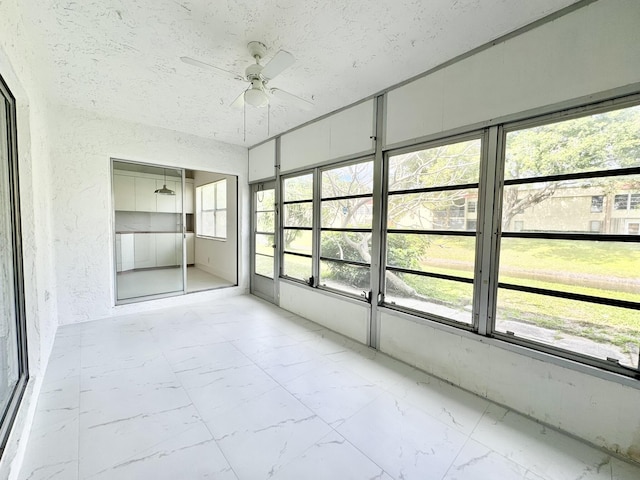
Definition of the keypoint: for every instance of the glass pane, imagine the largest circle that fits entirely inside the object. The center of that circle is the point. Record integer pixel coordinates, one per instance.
(350, 180)
(266, 221)
(148, 264)
(443, 254)
(350, 213)
(221, 194)
(221, 224)
(599, 269)
(207, 224)
(265, 200)
(454, 164)
(573, 206)
(9, 372)
(264, 265)
(296, 267)
(600, 331)
(148, 233)
(264, 244)
(208, 193)
(354, 246)
(298, 241)
(598, 142)
(445, 298)
(348, 278)
(298, 215)
(448, 210)
(298, 188)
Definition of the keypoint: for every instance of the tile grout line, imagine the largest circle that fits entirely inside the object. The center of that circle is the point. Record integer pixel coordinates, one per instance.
(162, 350)
(333, 430)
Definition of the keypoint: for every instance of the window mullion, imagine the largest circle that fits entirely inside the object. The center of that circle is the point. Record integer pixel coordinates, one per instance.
(317, 219)
(377, 228)
(490, 249)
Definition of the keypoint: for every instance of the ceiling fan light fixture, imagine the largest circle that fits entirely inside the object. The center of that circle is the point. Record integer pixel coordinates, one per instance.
(256, 98)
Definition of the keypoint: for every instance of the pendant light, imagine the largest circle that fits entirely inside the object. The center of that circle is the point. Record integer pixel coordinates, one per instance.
(164, 190)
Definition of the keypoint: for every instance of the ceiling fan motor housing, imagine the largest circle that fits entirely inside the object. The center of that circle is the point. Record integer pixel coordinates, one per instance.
(253, 72)
(257, 49)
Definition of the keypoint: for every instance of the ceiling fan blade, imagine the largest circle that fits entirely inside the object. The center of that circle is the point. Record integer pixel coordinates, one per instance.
(280, 62)
(198, 63)
(292, 99)
(239, 101)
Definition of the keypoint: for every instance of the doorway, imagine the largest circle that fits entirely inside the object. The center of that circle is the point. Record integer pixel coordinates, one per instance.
(175, 231)
(264, 239)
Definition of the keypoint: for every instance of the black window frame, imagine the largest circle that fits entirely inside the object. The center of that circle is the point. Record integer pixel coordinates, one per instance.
(321, 258)
(7, 418)
(311, 280)
(481, 136)
(549, 119)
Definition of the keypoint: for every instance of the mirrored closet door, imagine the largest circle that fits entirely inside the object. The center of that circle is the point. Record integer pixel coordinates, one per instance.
(149, 231)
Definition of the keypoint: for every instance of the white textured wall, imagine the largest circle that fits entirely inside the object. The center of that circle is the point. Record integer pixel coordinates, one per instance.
(38, 255)
(346, 133)
(349, 318)
(602, 412)
(590, 50)
(82, 220)
(262, 161)
(219, 257)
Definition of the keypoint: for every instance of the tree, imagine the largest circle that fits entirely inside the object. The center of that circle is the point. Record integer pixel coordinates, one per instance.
(603, 141)
(598, 142)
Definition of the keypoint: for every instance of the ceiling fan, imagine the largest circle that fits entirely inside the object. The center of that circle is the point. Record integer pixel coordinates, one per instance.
(257, 93)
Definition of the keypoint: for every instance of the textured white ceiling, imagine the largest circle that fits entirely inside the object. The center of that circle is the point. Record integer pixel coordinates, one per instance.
(122, 57)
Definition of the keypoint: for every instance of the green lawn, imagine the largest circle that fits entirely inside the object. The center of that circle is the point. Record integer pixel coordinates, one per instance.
(582, 266)
(536, 263)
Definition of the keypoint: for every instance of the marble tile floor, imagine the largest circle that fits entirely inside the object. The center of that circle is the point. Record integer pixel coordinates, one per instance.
(240, 389)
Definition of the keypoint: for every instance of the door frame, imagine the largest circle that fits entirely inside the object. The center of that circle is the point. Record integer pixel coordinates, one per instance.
(261, 286)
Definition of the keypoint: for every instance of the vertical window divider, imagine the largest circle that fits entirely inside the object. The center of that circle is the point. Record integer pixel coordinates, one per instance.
(316, 223)
(278, 234)
(495, 225)
(377, 227)
(484, 230)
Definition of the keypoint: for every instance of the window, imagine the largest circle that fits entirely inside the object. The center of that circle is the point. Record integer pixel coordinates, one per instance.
(430, 250)
(471, 206)
(626, 201)
(570, 284)
(265, 224)
(211, 210)
(13, 349)
(597, 202)
(345, 227)
(620, 202)
(297, 260)
(556, 268)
